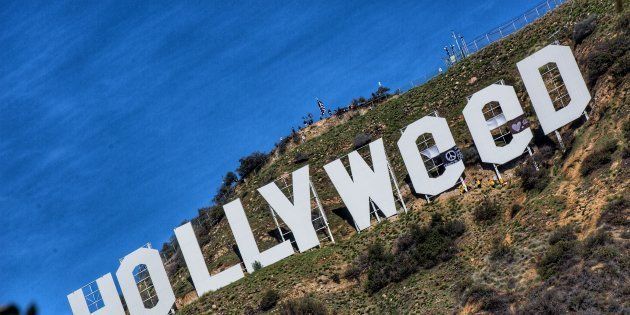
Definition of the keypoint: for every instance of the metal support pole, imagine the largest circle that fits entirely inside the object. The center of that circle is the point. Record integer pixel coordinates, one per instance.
(560, 140)
(461, 180)
(378, 218)
(529, 150)
(395, 182)
(277, 224)
(497, 171)
(321, 210)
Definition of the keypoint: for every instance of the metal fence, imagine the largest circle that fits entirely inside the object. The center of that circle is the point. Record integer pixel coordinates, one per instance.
(494, 35)
(511, 26)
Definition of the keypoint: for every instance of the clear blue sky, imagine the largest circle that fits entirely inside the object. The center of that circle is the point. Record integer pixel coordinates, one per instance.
(117, 120)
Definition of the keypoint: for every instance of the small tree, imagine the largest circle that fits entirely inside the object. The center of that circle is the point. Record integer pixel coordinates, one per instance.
(251, 163)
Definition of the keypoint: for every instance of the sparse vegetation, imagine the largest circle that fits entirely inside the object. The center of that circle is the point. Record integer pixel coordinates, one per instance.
(501, 251)
(532, 179)
(600, 157)
(303, 306)
(420, 247)
(616, 212)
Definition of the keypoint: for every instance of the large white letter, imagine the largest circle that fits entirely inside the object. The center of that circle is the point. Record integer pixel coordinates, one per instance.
(151, 259)
(296, 215)
(197, 265)
(109, 294)
(422, 182)
(480, 129)
(247, 244)
(549, 118)
(365, 184)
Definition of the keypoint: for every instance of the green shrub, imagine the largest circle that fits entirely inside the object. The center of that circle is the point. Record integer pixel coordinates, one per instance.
(487, 210)
(601, 156)
(501, 252)
(420, 247)
(604, 56)
(471, 156)
(453, 229)
(251, 163)
(303, 306)
(269, 300)
(361, 140)
(335, 278)
(584, 28)
(256, 265)
(598, 239)
(564, 233)
(616, 212)
(557, 257)
(532, 179)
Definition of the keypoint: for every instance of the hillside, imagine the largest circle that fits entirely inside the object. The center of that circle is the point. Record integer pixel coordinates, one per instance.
(504, 261)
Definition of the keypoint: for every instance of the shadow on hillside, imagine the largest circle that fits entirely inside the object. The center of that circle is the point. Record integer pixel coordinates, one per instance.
(345, 215)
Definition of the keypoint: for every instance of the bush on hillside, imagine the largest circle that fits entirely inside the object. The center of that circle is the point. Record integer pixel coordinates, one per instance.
(606, 55)
(564, 233)
(300, 158)
(251, 164)
(487, 210)
(501, 251)
(420, 247)
(601, 156)
(361, 140)
(557, 257)
(256, 265)
(616, 212)
(560, 254)
(584, 28)
(303, 306)
(532, 179)
(269, 300)
(471, 156)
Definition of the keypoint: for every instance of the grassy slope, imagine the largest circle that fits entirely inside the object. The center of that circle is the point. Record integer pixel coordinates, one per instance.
(568, 198)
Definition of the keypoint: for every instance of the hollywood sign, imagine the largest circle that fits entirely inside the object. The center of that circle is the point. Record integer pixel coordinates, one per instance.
(365, 185)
